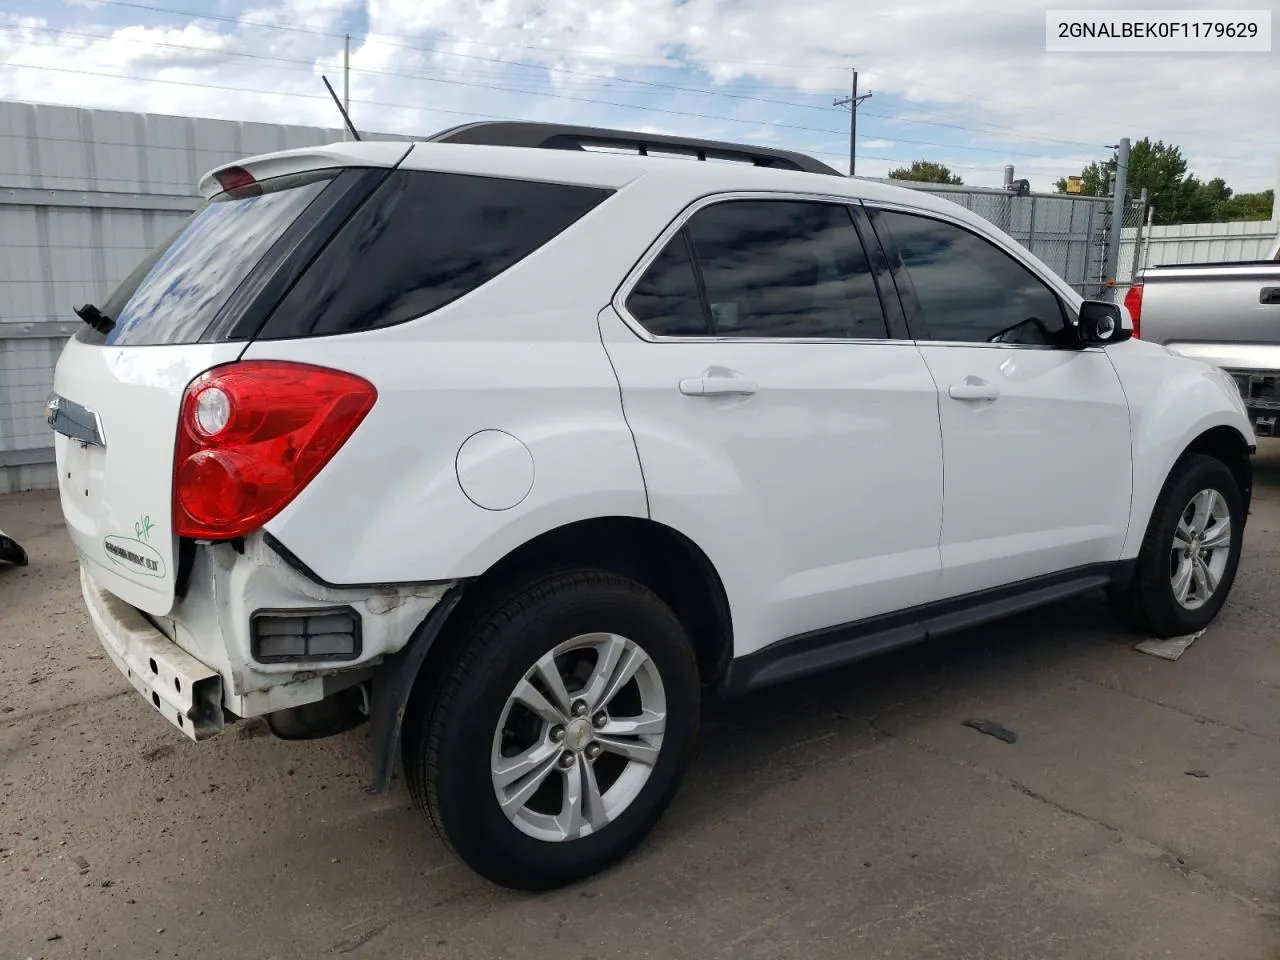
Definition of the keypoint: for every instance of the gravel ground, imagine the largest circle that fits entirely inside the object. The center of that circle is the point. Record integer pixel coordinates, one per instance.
(1137, 815)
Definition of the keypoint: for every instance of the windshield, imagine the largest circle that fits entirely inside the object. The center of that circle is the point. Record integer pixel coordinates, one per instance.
(175, 293)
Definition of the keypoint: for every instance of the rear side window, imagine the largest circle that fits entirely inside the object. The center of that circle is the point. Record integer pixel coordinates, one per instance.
(769, 268)
(666, 300)
(174, 294)
(422, 241)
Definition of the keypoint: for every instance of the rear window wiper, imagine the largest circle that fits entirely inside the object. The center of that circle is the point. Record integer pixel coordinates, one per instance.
(95, 318)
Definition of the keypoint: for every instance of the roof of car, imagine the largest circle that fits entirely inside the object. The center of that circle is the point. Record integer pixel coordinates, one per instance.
(694, 177)
(686, 176)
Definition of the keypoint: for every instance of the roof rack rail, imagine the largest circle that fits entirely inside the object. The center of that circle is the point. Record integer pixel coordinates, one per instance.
(554, 136)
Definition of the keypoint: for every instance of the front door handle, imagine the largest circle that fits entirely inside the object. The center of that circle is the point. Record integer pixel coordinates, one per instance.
(973, 389)
(717, 386)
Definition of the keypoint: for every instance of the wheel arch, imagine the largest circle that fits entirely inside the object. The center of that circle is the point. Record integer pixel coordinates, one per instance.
(1224, 441)
(655, 555)
(1229, 445)
(651, 553)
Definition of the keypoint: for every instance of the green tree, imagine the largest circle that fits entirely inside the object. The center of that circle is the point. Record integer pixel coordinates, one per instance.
(1248, 206)
(924, 171)
(1159, 167)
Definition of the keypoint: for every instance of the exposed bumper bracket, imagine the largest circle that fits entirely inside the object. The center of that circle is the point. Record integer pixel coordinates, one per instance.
(186, 692)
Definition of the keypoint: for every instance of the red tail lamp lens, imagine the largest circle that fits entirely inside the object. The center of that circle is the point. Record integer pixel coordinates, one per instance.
(1133, 303)
(252, 435)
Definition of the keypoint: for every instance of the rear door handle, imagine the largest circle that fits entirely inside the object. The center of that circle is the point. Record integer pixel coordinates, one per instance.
(717, 386)
(973, 389)
(1269, 295)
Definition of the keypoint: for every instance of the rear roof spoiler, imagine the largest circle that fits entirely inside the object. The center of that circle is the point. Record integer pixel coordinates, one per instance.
(553, 136)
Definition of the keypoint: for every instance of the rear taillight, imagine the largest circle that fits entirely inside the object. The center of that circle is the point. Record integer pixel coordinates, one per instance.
(251, 435)
(1133, 303)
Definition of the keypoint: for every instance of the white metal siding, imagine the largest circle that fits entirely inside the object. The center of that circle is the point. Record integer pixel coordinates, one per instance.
(84, 195)
(1203, 242)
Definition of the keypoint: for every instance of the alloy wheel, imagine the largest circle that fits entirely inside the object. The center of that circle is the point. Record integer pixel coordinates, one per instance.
(1201, 549)
(578, 737)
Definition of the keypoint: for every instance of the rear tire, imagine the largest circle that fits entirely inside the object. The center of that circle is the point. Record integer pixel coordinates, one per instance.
(1190, 553)
(582, 783)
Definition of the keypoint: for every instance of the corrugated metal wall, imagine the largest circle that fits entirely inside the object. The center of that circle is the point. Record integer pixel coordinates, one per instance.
(84, 195)
(1204, 242)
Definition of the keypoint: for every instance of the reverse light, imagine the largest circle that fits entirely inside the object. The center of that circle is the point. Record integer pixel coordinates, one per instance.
(1133, 303)
(252, 435)
(212, 411)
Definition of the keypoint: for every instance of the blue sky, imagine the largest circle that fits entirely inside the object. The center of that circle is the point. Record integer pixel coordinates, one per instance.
(966, 83)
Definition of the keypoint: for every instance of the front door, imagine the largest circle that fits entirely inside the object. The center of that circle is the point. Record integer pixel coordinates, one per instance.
(778, 425)
(1035, 433)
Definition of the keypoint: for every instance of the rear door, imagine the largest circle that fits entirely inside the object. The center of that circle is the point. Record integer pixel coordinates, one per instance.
(117, 391)
(779, 424)
(1035, 433)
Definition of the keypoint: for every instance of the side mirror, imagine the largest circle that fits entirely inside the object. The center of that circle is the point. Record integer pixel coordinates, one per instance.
(1100, 324)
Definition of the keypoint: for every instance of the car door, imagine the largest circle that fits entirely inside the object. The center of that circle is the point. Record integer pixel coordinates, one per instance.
(1035, 432)
(779, 425)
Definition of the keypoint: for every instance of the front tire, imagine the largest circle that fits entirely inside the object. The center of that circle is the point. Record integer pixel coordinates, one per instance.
(1190, 553)
(559, 734)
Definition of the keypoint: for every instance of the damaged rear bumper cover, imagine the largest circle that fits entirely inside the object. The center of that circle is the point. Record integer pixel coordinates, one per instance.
(186, 692)
(197, 665)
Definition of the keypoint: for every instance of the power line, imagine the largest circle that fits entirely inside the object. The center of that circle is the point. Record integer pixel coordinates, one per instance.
(298, 28)
(260, 92)
(972, 129)
(309, 64)
(379, 103)
(482, 86)
(605, 78)
(380, 38)
(485, 43)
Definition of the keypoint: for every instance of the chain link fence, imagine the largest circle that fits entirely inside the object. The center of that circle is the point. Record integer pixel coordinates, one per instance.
(1131, 254)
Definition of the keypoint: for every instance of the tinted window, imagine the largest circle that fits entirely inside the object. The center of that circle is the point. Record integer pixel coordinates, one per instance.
(173, 295)
(781, 268)
(970, 290)
(666, 300)
(421, 241)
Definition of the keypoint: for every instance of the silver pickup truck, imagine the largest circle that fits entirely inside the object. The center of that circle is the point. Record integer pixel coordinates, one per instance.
(1225, 313)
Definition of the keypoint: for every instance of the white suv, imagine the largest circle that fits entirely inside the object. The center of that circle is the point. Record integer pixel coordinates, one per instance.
(519, 449)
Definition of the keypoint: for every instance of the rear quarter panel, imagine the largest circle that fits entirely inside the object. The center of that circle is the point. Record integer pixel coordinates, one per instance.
(521, 355)
(1172, 401)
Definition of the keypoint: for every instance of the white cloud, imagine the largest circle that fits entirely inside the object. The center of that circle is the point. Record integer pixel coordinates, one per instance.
(961, 82)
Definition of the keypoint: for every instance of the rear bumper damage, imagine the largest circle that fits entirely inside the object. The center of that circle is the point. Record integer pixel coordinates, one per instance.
(186, 692)
(198, 666)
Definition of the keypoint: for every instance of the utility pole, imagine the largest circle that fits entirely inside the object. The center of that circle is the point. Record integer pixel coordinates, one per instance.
(346, 77)
(852, 102)
(1118, 206)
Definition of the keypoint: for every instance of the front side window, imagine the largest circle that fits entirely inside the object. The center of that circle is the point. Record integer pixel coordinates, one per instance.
(969, 290)
(768, 268)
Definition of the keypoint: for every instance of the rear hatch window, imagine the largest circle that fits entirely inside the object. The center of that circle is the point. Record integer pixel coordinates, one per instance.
(177, 291)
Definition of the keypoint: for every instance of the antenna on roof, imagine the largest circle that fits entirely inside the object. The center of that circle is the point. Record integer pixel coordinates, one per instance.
(341, 109)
